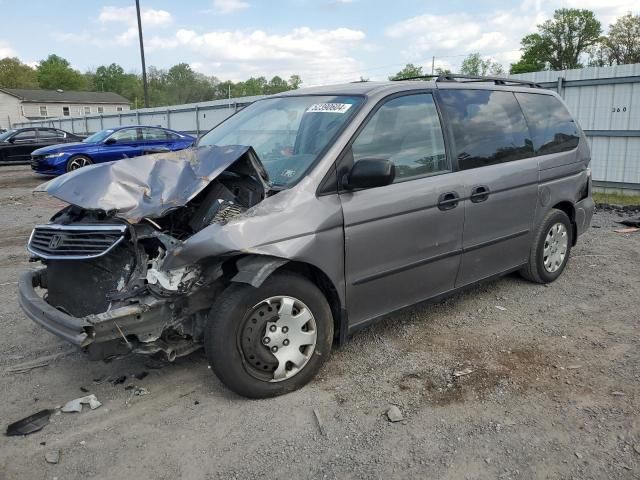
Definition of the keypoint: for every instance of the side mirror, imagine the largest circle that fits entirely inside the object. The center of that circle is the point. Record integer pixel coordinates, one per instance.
(370, 173)
(12, 140)
(110, 141)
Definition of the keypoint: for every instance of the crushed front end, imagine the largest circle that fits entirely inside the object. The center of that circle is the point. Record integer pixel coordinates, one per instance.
(103, 285)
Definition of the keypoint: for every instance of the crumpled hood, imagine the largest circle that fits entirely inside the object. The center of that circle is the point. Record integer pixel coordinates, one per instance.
(62, 147)
(150, 185)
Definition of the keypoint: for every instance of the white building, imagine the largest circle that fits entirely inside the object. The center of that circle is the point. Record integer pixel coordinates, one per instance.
(20, 105)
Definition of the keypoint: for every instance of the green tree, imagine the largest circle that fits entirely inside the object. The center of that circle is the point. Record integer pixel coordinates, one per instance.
(474, 64)
(295, 81)
(622, 45)
(443, 71)
(410, 70)
(56, 73)
(560, 42)
(276, 85)
(15, 74)
(183, 85)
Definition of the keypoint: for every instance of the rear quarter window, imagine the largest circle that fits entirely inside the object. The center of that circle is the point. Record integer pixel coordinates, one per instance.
(488, 127)
(552, 127)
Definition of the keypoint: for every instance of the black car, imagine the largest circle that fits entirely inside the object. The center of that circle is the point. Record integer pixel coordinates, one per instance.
(17, 144)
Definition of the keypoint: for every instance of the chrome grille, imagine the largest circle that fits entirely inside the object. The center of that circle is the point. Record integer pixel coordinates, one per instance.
(74, 242)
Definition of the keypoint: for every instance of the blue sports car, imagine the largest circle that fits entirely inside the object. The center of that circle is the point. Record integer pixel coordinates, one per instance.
(106, 146)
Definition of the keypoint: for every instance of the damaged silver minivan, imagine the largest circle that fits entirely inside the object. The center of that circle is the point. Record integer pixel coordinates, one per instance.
(307, 216)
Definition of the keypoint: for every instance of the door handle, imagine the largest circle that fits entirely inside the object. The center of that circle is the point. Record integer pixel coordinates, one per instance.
(479, 194)
(448, 200)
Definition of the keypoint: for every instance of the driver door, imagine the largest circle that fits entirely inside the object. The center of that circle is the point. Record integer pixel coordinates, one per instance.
(22, 144)
(403, 242)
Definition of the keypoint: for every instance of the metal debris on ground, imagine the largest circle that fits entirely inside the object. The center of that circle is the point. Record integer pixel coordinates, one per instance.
(52, 457)
(627, 230)
(119, 380)
(76, 404)
(462, 373)
(24, 368)
(617, 394)
(32, 423)
(316, 414)
(394, 414)
(631, 222)
(501, 308)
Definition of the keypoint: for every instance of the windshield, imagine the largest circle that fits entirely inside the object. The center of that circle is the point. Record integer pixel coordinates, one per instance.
(287, 133)
(5, 135)
(98, 136)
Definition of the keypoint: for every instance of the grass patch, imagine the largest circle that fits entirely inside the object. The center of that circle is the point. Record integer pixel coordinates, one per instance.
(616, 198)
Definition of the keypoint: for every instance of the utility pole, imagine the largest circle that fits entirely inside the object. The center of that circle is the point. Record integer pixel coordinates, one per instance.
(144, 68)
(433, 64)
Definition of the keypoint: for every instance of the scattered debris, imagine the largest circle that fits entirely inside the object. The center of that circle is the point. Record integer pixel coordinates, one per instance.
(76, 405)
(119, 380)
(463, 372)
(24, 368)
(573, 367)
(631, 222)
(140, 391)
(394, 414)
(617, 394)
(84, 389)
(197, 402)
(52, 457)
(141, 375)
(636, 448)
(30, 424)
(578, 455)
(501, 308)
(627, 230)
(323, 432)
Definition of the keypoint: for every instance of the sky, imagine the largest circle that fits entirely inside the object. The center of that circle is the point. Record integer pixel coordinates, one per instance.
(324, 41)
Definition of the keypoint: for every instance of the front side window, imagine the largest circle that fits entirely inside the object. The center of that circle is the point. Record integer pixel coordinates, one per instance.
(126, 135)
(43, 110)
(552, 128)
(25, 136)
(287, 133)
(488, 127)
(406, 131)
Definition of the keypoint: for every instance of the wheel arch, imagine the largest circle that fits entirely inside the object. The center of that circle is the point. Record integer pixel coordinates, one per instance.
(569, 208)
(254, 269)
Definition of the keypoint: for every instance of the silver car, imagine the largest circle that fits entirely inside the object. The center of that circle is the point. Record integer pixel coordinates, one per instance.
(305, 217)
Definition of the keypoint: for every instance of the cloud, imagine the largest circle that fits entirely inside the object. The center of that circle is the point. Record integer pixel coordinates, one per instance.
(127, 15)
(225, 7)
(495, 34)
(318, 55)
(6, 50)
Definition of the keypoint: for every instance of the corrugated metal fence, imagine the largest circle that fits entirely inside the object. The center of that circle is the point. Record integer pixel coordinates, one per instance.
(606, 102)
(193, 118)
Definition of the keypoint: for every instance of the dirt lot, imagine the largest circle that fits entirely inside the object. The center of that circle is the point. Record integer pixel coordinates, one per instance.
(554, 390)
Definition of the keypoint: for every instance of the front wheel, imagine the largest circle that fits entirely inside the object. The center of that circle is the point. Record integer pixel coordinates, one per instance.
(79, 161)
(550, 249)
(267, 341)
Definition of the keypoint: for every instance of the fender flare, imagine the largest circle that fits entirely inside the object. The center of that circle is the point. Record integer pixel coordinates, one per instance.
(255, 269)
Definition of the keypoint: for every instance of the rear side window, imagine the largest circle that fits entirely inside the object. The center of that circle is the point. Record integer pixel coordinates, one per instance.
(488, 127)
(151, 134)
(405, 131)
(552, 128)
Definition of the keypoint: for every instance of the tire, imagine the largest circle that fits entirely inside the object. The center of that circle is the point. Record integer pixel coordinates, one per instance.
(236, 332)
(78, 161)
(546, 267)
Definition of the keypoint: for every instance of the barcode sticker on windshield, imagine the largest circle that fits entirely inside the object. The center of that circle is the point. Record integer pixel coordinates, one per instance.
(329, 107)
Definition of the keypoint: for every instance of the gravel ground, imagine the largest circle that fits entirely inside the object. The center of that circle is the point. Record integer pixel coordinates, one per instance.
(553, 390)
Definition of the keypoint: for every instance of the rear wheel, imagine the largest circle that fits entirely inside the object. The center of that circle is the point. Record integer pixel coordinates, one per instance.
(550, 249)
(78, 161)
(266, 341)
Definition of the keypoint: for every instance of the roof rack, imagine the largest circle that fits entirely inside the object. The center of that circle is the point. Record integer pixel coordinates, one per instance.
(472, 78)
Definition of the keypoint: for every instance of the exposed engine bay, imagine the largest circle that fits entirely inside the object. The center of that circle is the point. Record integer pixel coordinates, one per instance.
(105, 267)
